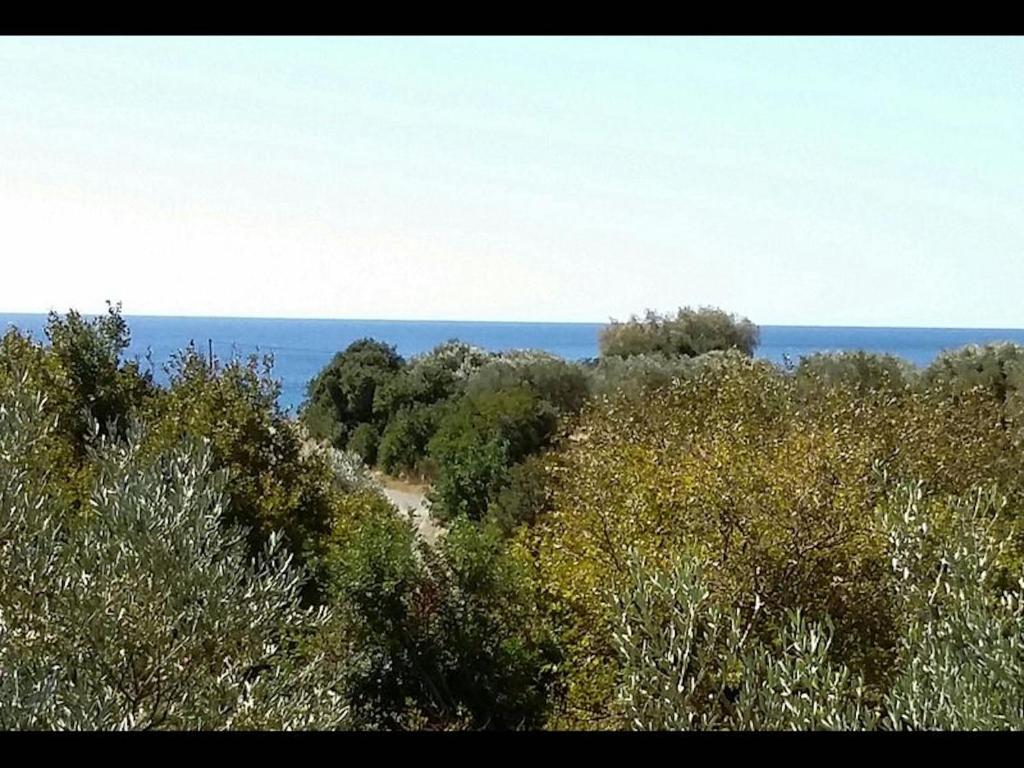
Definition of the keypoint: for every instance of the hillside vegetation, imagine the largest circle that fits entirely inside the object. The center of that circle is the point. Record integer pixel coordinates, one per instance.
(672, 536)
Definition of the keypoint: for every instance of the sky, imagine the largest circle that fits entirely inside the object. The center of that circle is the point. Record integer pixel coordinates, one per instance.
(807, 181)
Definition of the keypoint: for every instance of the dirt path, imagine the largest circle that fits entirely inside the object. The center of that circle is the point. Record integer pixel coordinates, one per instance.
(408, 497)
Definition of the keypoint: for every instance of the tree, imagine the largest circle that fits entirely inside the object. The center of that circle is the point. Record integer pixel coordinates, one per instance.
(478, 441)
(691, 662)
(560, 384)
(524, 497)
(85, 379)
(773, 489)
(145, 612)
(444, 639)
(341, 396)
(865, 371)
(403, 446)
(961, 654)
(689, 333)
(364, 442)
(273, 483)
(997, 369)
(432, 378)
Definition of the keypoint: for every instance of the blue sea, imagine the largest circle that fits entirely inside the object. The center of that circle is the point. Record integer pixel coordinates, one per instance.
(301, 347)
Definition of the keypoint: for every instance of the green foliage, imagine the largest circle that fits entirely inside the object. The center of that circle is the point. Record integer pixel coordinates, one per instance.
(862, 371)
(523, 499)
(735, 466)
(105, 389)
(273, 484)
(432, 378)
(342, 394)
(690, 332)
(81, 371)
(58, 452)
(403, 445)
(348, 472)
(89, 391)
(962, 649)
(368, 384)
(673, 640)
(796, 684)
(688, 662)
(562, 385)
(318, 419)
(506, 660)
(515, 416)
(480, 412)
(472, 469)
(364, 442)
(445, 639)
(637, 376)
(478, 441)
(997, 369)
(145, 612)
(668, 537)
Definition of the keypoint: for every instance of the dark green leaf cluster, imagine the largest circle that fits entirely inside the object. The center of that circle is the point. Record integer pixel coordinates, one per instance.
(440, 639)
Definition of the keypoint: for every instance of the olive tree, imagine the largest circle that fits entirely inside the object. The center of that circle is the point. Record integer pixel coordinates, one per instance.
(142, 610)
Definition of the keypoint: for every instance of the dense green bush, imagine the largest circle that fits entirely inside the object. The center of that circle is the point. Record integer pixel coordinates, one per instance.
(479, 657)
(690, 332)
(145, 612)
(431, 378)
(439, 389)
(59, 452)
(992, 366)
(439, 639)
(319, 421)
(273, 484)
(478, 441)
(563, 385)
(105, 389)
(675, 538)
(959, 582)
(996, 368)
(341, 396)
(403, 446)
(637, 376)
(386, 410)
(89, 390)
(524, 497)
(364, 442)
(690, 663)
(346, 470)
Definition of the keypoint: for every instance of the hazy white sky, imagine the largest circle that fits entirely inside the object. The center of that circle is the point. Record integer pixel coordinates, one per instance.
(806, 181)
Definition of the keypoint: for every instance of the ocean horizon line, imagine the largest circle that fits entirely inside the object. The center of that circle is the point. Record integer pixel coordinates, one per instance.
(443, 321)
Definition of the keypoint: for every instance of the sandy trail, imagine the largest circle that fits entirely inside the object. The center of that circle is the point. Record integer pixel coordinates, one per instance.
(411, 498)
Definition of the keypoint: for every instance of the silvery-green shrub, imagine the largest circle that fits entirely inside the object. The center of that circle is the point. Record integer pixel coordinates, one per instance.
(962, 651)
(687, 663)
(797, 686)
(142, 610)
(690, 664)
(674, 642)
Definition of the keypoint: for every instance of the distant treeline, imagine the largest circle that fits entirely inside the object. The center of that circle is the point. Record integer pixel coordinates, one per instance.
(471, 421)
